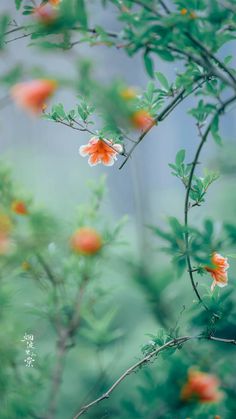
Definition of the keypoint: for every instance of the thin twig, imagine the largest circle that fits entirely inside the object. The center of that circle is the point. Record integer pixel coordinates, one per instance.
(147, 7)
(187, 197)
(172, 343)
(86, 129)
(145, 360)
(212, 56)
(164, 6)
(159, 118)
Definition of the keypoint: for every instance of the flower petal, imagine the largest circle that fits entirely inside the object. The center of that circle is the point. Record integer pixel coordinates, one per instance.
(94, 159)
(118, 148)
(84, 150)
(107, 159)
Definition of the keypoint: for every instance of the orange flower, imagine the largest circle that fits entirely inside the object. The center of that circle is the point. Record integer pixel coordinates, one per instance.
(32, 95)
(86, 241)
(100, 151)
(19, 208)
(218, 271)
(183, 12)
(201, 386)
(142, 119)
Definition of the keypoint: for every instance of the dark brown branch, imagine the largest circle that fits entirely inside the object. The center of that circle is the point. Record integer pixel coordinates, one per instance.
(164, 6)
(187, 197)
(213, 57)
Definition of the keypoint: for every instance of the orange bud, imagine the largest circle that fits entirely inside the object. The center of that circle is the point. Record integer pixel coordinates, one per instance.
(128, 93)
(86, 241)
(142, 119)
(183, 12)
(217, 417)
(19, 208)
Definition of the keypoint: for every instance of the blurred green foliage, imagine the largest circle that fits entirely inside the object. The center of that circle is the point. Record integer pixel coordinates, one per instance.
(87, 313)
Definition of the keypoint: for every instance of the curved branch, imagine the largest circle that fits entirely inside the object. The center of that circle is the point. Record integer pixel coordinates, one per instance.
(166, 111)
(172, 343)
(187, 197)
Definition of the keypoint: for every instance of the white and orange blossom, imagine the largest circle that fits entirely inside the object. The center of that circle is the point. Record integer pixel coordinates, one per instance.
(100, 151)
(31, 95)
(218, 270)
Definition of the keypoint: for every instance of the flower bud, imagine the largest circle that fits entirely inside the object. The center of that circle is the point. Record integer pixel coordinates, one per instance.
(86, 241)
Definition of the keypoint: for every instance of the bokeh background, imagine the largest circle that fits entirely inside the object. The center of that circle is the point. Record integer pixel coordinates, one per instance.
(45, 160)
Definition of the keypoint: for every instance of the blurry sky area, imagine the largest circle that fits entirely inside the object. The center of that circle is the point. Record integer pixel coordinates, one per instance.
(45, 155)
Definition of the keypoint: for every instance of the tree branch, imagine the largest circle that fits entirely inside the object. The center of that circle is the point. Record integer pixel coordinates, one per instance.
(172, 343)
(213, 57)
(159, 118)
(187, 197)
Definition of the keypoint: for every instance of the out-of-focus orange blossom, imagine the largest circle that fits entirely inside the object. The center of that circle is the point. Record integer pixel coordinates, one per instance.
(185, 12)
(45, 13)
(19, 208)
(202, 387)
(86, 241)
(31, 95)
(142, 119)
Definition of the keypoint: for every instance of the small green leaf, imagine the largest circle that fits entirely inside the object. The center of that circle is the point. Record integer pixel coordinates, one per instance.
(215, 130)
(180, 156)
(162, 79)
(4, 20)
(18, 3)
(148, 65)
(81, 13)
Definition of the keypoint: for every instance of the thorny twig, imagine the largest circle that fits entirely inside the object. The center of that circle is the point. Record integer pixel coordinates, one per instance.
(170, 344)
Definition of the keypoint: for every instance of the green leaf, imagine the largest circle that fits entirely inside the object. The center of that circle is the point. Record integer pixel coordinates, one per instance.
(215, 130)
(18, 3)
(165, 55)
(4, 20)
(148, 65)
(81, 13)
(59, 111)
(180, 156)
(162, 79)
